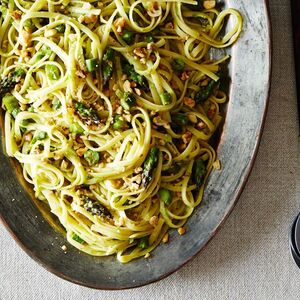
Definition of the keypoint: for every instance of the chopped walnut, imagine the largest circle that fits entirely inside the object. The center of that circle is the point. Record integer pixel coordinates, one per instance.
(133, 84)
(90, 19)
(80, 152)
(80, 74)
(209, 4)
(186, 137)
(81, 19)
(174, 85)
(151, 46)
(181, 230)
(120, 24)
(140, 52)
(165, 239)
(28, 137)
(138, 170)
(161, 122)
(26, 37)
(169, 25)
(212, 111)
(116, 183)
(153, 221)
(138, 91)
(185, 75)
(16, 14)
(192, 118)
(128, 118)
(201, 125)
(189, 102)
(127, 86)
(217, 165)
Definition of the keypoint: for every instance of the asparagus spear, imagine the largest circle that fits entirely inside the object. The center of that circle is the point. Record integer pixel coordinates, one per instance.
(198, 172)
(87, 113)
(9, 82)
(149, 165)
(107, 65)
(205, 92)
(96, 208)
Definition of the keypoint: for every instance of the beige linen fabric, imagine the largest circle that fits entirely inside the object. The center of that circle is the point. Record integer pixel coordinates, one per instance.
(249, 258)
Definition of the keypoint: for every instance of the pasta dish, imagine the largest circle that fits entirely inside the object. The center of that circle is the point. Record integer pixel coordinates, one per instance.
(109, 109)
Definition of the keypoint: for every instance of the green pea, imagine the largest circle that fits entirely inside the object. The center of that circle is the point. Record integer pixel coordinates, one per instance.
(128, 100)
(92, 157)
(119, 122)
(165, 196)
(76, 128)
(10, 103)
(180, 119)
(78, 239)
(127, 36)
(56, 104)
(178, 64)
(60, 28)
(165, 98)
(52, 72)
(144, 242)
(39, 135)
(91, 64)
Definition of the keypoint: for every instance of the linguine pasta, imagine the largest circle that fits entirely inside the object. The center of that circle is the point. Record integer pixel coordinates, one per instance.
(110, 106)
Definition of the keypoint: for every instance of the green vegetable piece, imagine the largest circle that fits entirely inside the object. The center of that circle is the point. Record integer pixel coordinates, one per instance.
(8, 83)
(109, 54)
(180, 119)
(165, 98)
(76, 128)
(128, 36)
(128, 100)
(119, 122)
(28, 25)
(133, 75)
(144, 242)
(10, 103)
(165, 196)
(96, 208)
(149, 165)
(178, 64)
(198, 172)
(60, 28)
(92, 64)
(43, 52)
(149, 38)
(31, 109)
(15, 111)
(87, 113)
(107, 70)
(107, 65)
(52, 72)
(77, 239)
(92, 157)
(56, 104)
(205, 92)
(39, 135)
(24, 123)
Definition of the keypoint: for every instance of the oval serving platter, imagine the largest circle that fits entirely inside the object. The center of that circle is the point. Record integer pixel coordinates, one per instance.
(249, 70)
